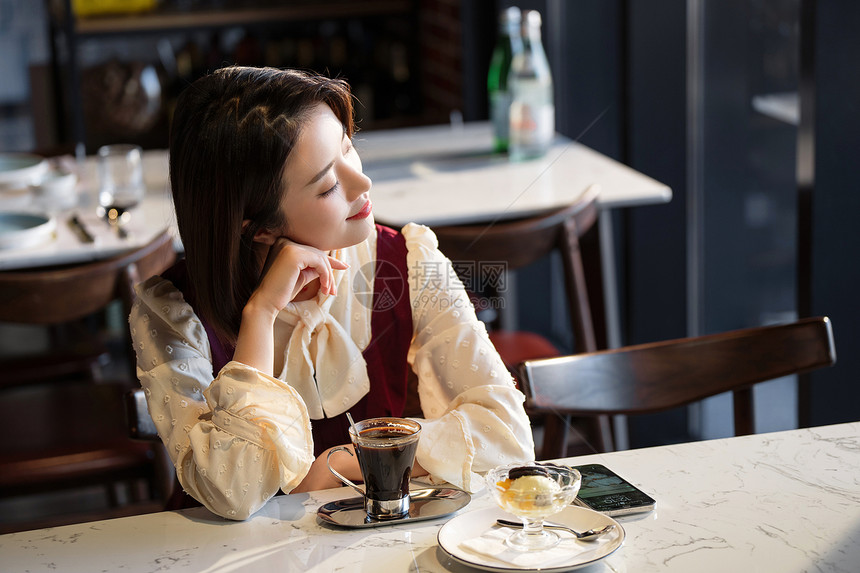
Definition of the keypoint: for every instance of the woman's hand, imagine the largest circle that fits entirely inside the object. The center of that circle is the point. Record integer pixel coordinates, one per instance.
(287, 269)
(319, 477)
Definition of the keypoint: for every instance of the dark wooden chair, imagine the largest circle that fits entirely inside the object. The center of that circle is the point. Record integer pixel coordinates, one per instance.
(140, 424)
(519, 243)
(71, 431)
(662, 375)
(141, 428)
(64, 299)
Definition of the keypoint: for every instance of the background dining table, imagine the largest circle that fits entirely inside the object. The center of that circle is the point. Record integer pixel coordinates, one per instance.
(779, 502)
(435, 175)
(148, 219)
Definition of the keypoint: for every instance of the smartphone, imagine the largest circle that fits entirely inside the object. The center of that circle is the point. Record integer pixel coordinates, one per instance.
(605, 491)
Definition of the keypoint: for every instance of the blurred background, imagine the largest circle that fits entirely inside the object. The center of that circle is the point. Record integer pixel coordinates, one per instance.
(747, 109)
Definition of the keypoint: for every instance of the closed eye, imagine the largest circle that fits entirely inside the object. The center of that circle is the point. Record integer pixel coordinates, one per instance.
(348, 149)
(331, 190)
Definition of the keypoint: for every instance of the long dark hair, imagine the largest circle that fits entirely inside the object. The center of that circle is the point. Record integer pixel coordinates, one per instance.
(231, 134)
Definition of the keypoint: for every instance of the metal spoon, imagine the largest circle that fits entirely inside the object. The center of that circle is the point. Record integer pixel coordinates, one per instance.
(589, 535)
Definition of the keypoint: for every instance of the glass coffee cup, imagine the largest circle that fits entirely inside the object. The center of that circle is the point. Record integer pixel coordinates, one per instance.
(386, 451)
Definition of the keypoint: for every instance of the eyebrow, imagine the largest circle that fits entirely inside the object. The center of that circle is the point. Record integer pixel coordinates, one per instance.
(321, 174)
(325, 169)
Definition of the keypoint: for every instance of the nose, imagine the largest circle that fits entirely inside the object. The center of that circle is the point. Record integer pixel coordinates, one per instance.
(355, 182)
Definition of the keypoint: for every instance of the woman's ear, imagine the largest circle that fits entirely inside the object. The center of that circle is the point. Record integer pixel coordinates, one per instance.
(265, 236)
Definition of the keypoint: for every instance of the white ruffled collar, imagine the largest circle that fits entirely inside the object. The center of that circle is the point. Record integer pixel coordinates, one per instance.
(323, 359)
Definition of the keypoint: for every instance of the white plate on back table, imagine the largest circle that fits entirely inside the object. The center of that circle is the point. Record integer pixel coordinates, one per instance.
(21, 169)
(22, 230)
(467, 525)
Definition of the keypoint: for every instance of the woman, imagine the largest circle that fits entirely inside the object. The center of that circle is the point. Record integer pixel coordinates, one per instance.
(292, 307)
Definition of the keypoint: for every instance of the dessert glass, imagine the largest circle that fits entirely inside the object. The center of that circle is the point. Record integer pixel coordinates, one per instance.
(550, 489)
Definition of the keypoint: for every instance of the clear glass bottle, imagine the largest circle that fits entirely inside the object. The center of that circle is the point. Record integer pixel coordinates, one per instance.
(532, 115)
(508, 45)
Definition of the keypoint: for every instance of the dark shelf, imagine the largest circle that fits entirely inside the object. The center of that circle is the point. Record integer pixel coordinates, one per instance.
(374, 44)
(168, 20)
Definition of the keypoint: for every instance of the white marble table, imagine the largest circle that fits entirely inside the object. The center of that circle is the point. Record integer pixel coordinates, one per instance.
(782, 502)
(448, 175)
(153, 215)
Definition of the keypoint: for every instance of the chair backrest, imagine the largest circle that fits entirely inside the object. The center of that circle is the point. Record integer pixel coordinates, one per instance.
(140, 423)
(63, 297)
(142, 428)
(57, 295)
(663, 375)
(521, 242)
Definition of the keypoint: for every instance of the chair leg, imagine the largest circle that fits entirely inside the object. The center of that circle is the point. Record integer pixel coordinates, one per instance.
(578, 296)
(112, 497)
(804, 399)
(591, 260)
(597, 433)
(141, 490)
(743, 410)
(605, 434)
(555, 431)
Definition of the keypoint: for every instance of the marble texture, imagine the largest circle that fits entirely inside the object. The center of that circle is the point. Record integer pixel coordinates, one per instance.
(781, 502)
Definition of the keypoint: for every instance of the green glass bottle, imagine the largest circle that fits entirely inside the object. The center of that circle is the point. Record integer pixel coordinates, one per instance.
(508, 45)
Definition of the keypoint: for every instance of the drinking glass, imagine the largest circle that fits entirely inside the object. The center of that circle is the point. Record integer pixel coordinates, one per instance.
(533, 492)
(121, 186)
(386, 451)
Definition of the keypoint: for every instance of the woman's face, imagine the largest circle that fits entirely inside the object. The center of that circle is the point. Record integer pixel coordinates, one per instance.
(327, 199)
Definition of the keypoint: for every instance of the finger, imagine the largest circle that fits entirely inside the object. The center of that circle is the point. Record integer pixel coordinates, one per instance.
(337, 263)
(305, 276)
(317, 267)
(329, 286)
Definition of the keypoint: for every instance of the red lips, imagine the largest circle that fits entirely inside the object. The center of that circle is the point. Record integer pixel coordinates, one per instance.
(364, 213)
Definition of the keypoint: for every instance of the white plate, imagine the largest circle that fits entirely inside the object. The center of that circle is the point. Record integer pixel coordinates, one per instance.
(468, 525)
(21, 169)
(21, 230)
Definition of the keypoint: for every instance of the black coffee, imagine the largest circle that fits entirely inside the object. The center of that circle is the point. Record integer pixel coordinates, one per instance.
(386, 468)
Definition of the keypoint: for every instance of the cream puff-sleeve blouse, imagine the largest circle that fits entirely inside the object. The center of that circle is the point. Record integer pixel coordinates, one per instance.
(237, 439)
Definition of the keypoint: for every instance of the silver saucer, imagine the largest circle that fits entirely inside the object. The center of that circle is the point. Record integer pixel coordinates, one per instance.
(423, 504)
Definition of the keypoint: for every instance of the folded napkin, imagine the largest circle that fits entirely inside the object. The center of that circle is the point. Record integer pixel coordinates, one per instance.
(491, 545)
